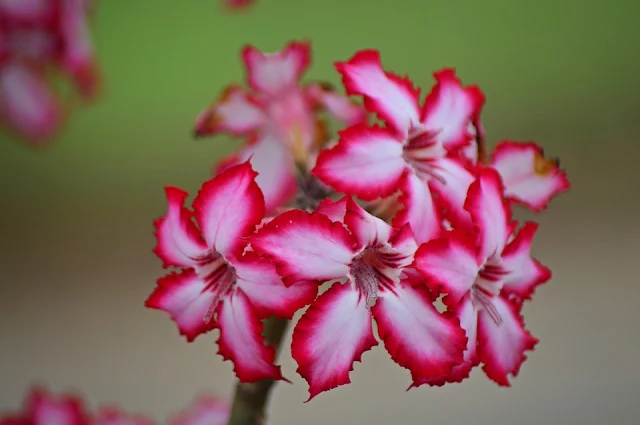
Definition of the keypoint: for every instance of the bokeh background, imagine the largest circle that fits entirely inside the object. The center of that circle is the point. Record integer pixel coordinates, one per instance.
(75, 222)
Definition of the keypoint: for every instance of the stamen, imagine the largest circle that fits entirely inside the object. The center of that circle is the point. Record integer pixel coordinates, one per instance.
(220, 277)
(480, 297)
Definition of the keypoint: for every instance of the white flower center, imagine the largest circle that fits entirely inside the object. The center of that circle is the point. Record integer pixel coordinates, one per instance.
(374, 268)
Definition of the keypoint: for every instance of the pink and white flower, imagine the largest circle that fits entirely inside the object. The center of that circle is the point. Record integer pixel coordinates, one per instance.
(206, 410)
(342, 241)
(35, 36)
(529, 178)
(486, 276)
(219, 285)
(417, 150)
(45, 408)
(278, 116)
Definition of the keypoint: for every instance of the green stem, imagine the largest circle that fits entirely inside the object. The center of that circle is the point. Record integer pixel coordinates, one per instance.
(250, 400)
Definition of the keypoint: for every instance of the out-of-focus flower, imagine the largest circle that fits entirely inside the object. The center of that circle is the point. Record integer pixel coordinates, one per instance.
(43, 408)
(113, 416)
(279, 116)
(41, 40)
(205, 410)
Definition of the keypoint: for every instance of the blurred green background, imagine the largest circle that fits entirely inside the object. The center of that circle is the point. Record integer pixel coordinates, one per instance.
(76, 231)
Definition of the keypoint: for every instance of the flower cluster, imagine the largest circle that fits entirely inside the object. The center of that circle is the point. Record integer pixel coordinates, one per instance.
(41, 40)
(43, 408)
(394, 216)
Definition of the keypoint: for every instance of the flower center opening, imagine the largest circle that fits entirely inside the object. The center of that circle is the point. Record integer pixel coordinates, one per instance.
(543, 166)
(220, 279)
(373, 269)
(488, 285)
(421, 152)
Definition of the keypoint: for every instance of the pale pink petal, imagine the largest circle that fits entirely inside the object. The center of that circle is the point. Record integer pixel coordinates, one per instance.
(258, 279)
(524, 273)
(453, 188)
(229, 207)
(449, 109)
(419, 209)
(43, 408)
(367, 229)
(206, 410)
(339, 106)
(367, 163)
(186, 299)
(274, 165)
(528, 176)
(335, 210)
(26, 10)
(416, 335)
(306, 246)
(330, 336)
(492, 217)
(241, 340)
(468, 317)
(273, 72)
(235, 112)
(394, 99)
(502, 345)
(114, 416)
(27, 104)
(404, 244)
(450, 263)
(78, 56)
(178, 240)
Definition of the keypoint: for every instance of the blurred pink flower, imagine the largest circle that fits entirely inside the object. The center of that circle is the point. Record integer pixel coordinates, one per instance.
(39, 41)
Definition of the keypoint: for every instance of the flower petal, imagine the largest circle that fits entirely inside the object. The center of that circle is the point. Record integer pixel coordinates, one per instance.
(206, 410)
(27, 105)
(450, 108)
(178, 239)
(271, 73)
(241, 340)
(528, 176)
(186, 299)
(335, 210)
(419, 209)
(306, 246)
(449, 263)
(113, 416)
(25, 10)
(468, 317)
(339, 106)
(229, 207)
(367, 229)
(490, 214)
(501, 347)
(235, 112)
(367, 162)
(524, 273)
(274, 165)
(330, 336)
(258, 279)
(416, 335)
(453, 188)
(78, 56)
(43, 408)
(394, 99)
